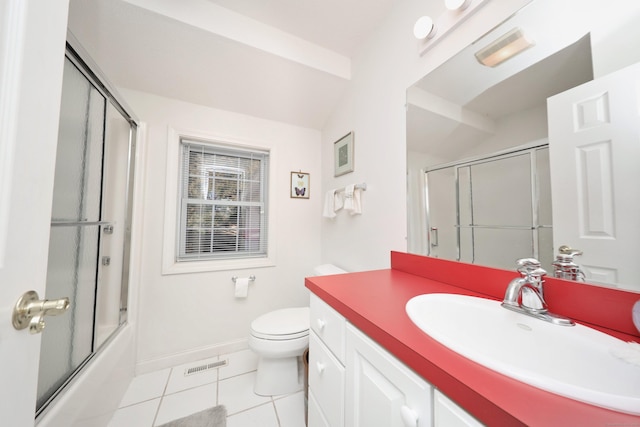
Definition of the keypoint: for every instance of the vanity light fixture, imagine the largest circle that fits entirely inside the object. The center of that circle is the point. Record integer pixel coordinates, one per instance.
(457, 4)
(429, 30)
(506, 47)
(424, 28)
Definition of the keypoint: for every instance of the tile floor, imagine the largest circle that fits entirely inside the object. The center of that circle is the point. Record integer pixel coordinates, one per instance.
(159, 397)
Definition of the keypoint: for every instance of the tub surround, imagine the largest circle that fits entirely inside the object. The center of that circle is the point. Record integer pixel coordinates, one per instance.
(374, 301)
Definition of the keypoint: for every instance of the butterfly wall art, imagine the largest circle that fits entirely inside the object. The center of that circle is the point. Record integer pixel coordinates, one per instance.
(299, 185)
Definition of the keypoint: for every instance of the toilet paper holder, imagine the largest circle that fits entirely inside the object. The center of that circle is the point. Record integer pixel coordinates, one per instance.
(251, 278)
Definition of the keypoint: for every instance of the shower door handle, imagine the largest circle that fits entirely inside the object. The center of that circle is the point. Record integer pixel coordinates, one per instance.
(29, 311)
(434, 236)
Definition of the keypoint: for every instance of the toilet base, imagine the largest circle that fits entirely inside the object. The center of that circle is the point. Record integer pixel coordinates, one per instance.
(278, 376)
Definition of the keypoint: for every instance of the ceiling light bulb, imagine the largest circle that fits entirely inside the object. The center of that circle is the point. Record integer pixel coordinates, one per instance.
(457, 4)
(424, 28)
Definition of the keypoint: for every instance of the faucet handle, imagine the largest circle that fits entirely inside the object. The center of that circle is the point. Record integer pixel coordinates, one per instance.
(567, 250)
(527, 262)
(526, 266)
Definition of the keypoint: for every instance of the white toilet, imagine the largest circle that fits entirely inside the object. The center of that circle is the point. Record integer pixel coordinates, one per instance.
(279, 338)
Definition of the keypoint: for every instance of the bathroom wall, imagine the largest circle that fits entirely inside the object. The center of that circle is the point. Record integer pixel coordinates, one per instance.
(374, 108)
(182, 317)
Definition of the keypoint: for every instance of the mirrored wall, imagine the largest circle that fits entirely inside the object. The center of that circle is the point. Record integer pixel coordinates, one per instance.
(465, 109)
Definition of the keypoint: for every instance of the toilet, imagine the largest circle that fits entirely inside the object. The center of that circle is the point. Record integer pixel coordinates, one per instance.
(279, 338)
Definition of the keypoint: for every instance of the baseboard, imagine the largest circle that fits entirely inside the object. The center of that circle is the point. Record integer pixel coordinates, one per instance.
(168, 361)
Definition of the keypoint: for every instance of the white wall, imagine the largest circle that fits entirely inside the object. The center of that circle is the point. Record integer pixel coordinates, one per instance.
(186, 316)
(374, 109)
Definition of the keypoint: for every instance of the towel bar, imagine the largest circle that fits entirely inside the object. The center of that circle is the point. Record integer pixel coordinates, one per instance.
(251, 278)
(362, 187)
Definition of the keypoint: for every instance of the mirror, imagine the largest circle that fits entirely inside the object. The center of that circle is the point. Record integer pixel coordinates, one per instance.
(463, 110)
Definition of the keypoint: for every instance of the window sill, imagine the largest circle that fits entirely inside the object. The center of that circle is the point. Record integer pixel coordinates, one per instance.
(215, 265)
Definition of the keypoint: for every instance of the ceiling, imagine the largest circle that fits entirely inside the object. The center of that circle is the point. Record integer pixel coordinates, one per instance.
(282, 60)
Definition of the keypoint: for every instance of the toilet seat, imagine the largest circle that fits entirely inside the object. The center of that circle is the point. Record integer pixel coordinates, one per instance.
(284, 324)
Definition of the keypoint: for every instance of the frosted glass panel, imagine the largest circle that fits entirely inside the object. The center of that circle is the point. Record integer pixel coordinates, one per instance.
(502, 247)
(503, 208)
(465, 199)
(116, 165)
(67, 339)
(545, 248)
(78, 176)
(443, 240)
(502, 192)
(543, 176)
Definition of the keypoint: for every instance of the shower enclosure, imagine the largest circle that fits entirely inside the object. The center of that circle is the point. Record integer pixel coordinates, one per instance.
(491, 210)
(90, 225)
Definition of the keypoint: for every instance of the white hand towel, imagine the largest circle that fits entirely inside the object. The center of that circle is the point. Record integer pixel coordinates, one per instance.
(332, 203)
(338, 200)
(348, 197)
(356, 208)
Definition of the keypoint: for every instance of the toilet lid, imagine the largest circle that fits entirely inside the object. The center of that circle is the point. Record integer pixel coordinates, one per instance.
(287, 323)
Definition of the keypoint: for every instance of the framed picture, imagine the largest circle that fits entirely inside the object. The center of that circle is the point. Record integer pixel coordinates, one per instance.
(300, 185)
(343, 155)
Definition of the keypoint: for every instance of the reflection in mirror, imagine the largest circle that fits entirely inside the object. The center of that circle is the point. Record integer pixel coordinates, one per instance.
(500, 205)
(464, 111)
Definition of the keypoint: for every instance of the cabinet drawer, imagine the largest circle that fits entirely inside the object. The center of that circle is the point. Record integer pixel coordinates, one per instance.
(329, 325)
(326, 381)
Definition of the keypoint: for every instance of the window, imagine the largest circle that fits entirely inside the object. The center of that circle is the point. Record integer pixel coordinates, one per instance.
(223, 202)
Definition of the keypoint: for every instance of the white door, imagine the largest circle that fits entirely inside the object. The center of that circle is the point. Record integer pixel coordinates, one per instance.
(594, 141)
(32, 44)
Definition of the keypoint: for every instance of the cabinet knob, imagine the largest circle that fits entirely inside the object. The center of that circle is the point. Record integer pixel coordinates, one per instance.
(320, 367)
(409, 416)
(321, 323)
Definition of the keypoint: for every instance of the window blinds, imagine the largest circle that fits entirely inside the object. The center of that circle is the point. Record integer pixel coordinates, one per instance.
(223, 209)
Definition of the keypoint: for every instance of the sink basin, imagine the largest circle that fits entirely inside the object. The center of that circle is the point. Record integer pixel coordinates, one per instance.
(576, 362)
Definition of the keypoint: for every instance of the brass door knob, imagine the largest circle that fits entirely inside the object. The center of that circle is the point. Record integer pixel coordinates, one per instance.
(29, 311)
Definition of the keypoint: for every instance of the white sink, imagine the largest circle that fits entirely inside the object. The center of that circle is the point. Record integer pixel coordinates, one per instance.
(573, 361)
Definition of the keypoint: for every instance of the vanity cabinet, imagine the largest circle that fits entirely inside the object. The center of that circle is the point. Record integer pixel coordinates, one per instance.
(381, 390)
(355, 382)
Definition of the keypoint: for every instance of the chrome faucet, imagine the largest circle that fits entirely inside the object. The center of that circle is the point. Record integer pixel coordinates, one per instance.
(564, 266)
(525, 294)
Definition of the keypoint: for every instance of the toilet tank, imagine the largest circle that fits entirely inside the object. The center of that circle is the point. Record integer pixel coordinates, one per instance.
(327, 269)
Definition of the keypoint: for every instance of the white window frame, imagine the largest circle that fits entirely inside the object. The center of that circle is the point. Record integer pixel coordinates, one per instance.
(170, 263)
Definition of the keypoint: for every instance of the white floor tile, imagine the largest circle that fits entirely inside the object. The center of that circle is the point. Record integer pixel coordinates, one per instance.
(232, 386)
(237, 393)
(186, 402)
(145, 387)
(240, 363)
(261, 416)
(290, 410)
(178, 381)
(140, 415)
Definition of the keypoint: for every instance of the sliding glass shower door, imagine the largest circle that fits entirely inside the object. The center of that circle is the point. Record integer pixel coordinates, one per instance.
(88, 246)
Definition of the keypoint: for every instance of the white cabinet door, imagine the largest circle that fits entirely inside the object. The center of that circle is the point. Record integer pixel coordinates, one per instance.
(326, 382)
(448, 414)
(315, 415)
(594, 133)
(380, 390)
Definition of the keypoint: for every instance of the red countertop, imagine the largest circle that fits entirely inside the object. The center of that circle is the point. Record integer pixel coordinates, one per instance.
(374, 301)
